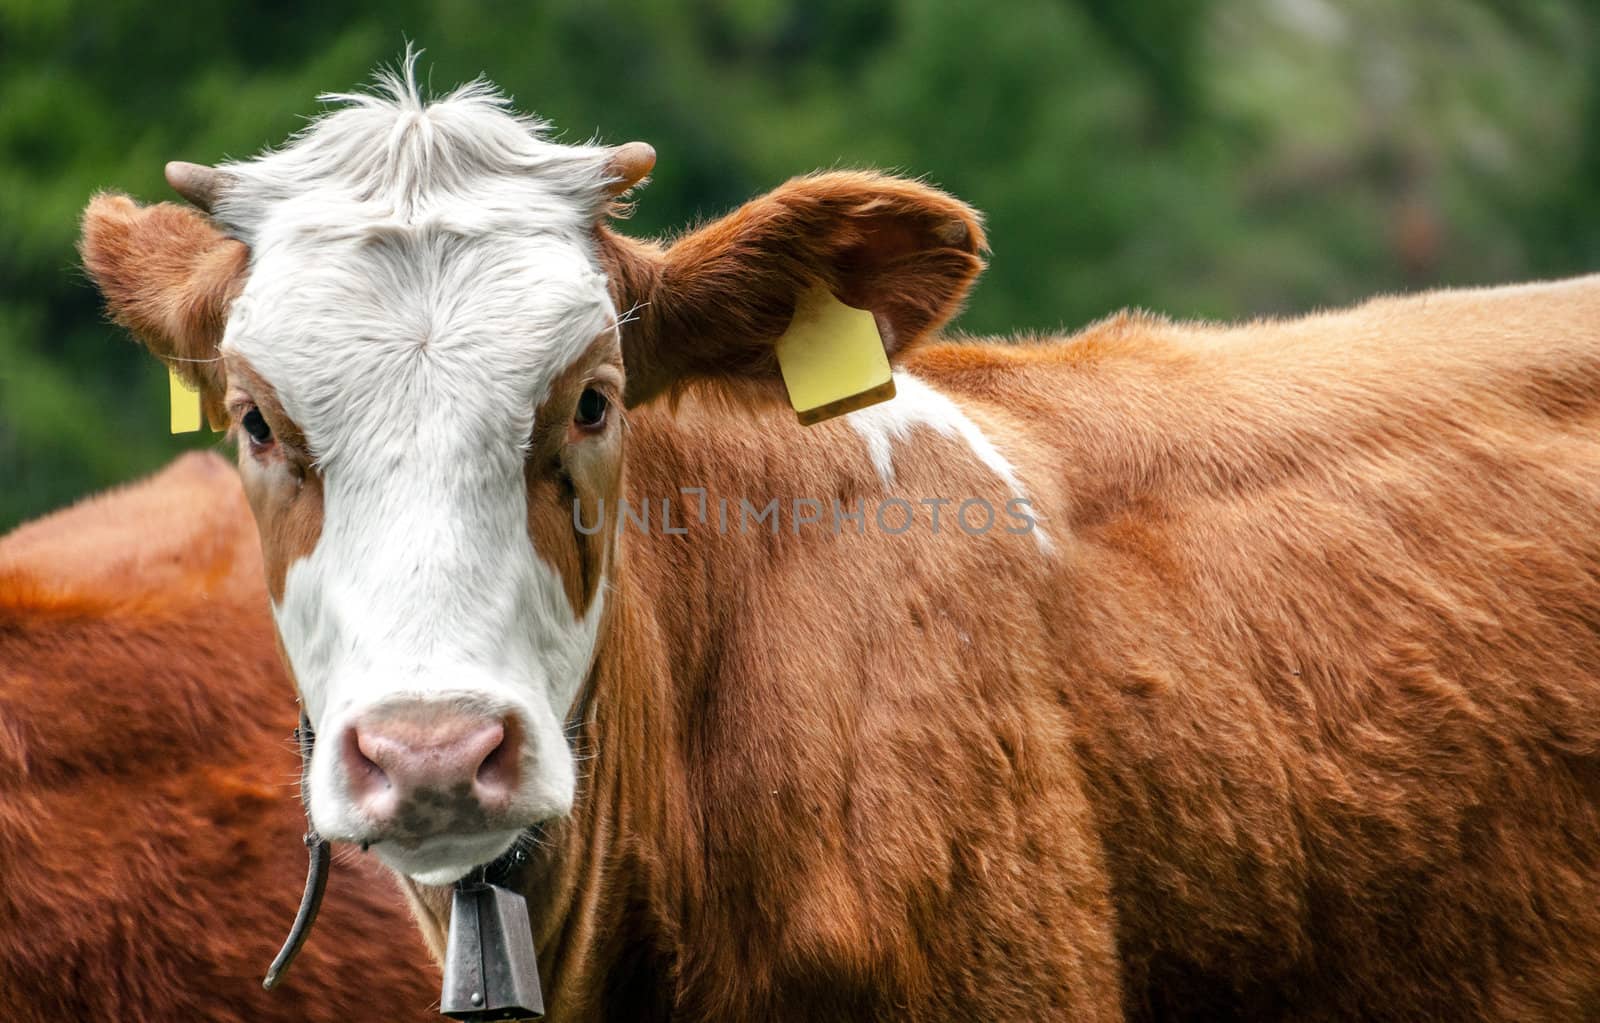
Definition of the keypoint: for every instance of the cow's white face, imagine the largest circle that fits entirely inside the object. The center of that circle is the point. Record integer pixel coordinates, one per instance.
(423, 282)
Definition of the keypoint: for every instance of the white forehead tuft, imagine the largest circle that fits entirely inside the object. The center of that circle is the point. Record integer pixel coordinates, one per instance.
(392, 155)
(413, 261)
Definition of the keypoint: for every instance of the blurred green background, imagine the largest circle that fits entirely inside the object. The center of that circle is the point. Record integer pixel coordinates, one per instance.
(1204, 159)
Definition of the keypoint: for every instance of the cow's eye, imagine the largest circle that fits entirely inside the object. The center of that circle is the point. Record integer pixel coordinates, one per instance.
(591, 413)
(255, 424)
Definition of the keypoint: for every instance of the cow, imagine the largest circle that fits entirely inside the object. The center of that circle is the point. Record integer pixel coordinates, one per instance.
(1251, 671)
(148, 817)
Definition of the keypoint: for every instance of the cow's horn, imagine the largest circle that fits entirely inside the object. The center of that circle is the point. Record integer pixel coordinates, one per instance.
(628, 165)
(200, 185)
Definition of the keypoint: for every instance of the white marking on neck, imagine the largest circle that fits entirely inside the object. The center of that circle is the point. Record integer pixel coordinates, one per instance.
(915, 404)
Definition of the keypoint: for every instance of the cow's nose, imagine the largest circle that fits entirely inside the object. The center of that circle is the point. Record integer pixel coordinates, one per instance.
(464, 761)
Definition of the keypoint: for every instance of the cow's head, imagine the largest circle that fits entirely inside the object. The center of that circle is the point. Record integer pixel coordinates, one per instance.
(417, 325)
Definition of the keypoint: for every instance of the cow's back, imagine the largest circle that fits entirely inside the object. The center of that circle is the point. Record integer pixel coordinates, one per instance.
(150, 830)
(1331, 649)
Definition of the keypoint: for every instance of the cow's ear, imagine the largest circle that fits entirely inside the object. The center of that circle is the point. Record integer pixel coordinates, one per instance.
(714, 302)
(168, 275)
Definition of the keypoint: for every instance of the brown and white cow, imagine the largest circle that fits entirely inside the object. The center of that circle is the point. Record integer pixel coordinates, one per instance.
(1269, 691)
(148, 817)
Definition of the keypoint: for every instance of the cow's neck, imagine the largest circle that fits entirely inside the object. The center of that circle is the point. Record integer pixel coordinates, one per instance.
(601, 894)
(618, 888)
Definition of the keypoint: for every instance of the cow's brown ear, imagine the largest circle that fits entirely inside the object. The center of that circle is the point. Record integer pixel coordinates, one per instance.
(168, 275)
(713, 303)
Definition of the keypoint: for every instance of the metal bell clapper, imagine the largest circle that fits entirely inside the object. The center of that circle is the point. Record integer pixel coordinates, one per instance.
(490, 972)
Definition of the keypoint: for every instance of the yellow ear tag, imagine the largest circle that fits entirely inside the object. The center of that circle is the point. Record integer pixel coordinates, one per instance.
(832, 359)
(185, 404)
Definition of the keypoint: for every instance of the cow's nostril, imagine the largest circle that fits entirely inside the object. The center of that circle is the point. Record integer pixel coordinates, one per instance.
(361, 767)
(497, 773)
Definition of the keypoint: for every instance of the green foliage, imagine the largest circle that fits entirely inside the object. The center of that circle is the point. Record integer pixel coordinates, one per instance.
(1219, 159)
